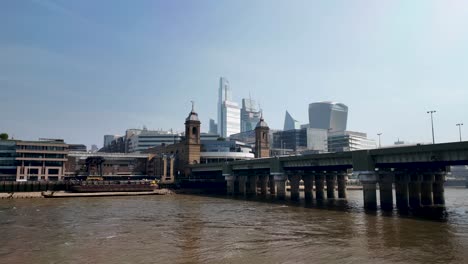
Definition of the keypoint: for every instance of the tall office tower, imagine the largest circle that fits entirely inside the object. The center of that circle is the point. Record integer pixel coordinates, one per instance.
(290, 122)
(213, 127)
(228, 111)
(250, 115)
(328, 115)
(108, 139)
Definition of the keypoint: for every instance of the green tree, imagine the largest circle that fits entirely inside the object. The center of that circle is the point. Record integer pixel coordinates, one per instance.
(3, 136)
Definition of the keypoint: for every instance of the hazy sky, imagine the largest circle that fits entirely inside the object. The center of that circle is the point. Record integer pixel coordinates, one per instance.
(81, 69)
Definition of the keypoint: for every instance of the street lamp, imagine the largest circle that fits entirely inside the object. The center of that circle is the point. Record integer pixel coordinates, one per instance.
(432, 124)
(459, 129)
(378, 134)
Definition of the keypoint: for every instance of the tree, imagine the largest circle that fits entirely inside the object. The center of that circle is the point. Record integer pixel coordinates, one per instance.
(3, 136)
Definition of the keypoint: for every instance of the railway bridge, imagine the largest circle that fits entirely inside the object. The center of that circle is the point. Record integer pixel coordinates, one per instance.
(416, 172)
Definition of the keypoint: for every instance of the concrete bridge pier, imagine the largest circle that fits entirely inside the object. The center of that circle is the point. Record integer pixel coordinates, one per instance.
(230, 184)
(438, 189)
(263, 182)
(294, 182)
(242, 181)
(414, 191)
(401, 191)
(252, 185)
(331, 183)
(308, 187)
(369, 185)
(280, 182)
(271, 184)
(386, 191)
(319, 194)
(426, 189)
(342, 178)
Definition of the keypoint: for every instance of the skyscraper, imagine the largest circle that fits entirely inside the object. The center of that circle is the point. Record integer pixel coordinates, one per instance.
(328, 115)
(250, 115)
(290, 122)
(213, 127)
(228, 111)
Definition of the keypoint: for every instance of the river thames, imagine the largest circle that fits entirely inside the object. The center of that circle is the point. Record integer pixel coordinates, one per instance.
(199, 229)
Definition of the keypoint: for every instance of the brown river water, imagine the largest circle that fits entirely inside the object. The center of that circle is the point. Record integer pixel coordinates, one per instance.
(201, 229)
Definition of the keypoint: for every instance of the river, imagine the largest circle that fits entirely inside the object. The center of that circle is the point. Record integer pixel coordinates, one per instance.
(200, 229)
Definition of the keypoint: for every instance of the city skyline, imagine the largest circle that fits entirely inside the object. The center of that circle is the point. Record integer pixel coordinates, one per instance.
(69, 72)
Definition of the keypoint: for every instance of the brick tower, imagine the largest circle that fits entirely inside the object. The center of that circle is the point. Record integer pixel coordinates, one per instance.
(192, 138)
(262, 142)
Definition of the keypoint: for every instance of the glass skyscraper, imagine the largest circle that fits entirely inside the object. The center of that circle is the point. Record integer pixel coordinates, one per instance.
(250, 115)
(228, 111)
(290, 122)
(328, 115)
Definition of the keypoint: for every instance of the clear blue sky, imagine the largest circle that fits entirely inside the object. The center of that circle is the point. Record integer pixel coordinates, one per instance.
(81, 69)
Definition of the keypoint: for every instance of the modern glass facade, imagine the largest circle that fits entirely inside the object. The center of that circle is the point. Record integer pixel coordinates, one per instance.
(328, 115)
(250, 115)
(7, 160)
(228, 111)
(295, 139)
(290, 122)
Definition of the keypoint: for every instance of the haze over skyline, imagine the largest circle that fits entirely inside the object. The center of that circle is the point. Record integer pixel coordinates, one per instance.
(81, 69)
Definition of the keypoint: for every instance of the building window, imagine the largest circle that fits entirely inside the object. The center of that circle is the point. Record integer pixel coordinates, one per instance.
(21, 177)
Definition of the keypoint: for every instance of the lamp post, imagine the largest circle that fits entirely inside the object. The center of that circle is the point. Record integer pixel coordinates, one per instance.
(378, 134)
(459, 130)
(432, 124)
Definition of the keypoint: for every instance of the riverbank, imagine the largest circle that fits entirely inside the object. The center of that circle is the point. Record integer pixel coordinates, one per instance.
(63, 194)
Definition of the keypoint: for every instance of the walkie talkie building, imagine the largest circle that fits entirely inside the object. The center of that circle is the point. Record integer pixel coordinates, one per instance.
(328, 115)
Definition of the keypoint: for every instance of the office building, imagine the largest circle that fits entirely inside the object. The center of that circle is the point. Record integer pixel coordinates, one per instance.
(348, 141)
(228, 111)
(139, 140)
(8, 161)
(213, 127)
(250, 115)
(328, 115)
(108, 139)
(77, 147)
(290, 122)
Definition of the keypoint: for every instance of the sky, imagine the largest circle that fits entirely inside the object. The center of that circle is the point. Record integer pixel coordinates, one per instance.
(78, 70)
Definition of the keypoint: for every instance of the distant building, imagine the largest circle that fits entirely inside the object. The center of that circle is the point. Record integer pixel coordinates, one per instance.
(228, 111)
(77, 147)
(214, 151)
(290, 122)
(108, 139)
(290, 141)
(250, 115)
(139, 140)
(213, 127)
(349, 141)
(328, 115)
(8, 162)
(94, 149)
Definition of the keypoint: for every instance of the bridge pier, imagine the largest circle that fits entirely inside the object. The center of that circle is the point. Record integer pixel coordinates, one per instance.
(242, 181)
(308, 187)
(280, 182)
(414, 190)
(230, 184)
(369, 182)
(401, 191)
(342, 178)
(271, 184)
(252, 185)
(294, 182)
(426, 189)
(331, 183)
(438, 189)
(263, 181)
(386, 191)
(319, 194)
